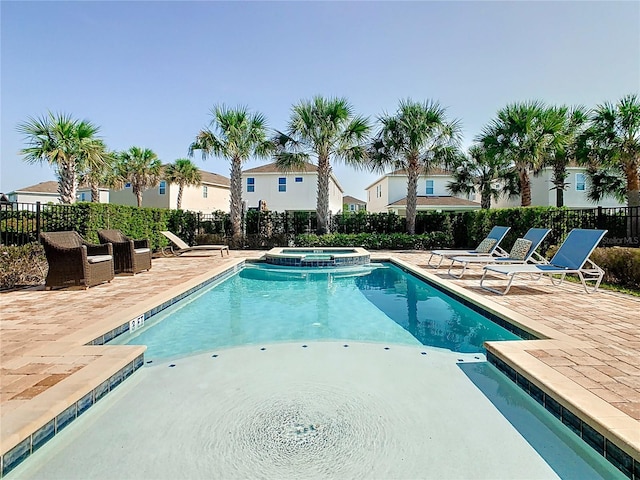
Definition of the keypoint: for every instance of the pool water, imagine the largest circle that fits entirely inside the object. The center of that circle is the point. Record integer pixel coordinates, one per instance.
(267, 304)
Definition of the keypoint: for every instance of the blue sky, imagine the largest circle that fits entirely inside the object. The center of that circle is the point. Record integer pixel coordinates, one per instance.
(149, 72)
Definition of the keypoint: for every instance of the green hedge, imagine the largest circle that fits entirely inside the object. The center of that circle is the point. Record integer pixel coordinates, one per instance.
(376, 241)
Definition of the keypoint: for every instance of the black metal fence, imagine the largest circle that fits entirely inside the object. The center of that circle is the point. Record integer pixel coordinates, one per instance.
(21, 223)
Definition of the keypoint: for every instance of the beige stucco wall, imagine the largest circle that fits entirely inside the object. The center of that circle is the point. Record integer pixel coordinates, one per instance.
(192, 198)
(298, 196)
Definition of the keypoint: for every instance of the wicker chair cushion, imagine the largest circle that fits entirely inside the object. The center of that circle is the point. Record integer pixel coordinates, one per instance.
(486, 245)
(520, 249)
(142, 250)
(99, 258)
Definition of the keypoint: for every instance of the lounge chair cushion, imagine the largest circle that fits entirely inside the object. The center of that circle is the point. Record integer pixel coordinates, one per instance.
(142, 250)
(520, 249)
(486, 245)
(98, 258)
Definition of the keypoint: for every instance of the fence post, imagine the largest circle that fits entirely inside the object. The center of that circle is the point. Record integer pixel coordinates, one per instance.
(600, 218)
(38, 221)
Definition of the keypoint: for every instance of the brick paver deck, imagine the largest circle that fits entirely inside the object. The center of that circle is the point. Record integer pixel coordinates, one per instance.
(591, 357)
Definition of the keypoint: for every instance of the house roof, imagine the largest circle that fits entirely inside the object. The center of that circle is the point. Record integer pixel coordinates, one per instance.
(273, 168)
(43, 187)
(437, 201)
(434, 171)
(214, 178)
(354, 200)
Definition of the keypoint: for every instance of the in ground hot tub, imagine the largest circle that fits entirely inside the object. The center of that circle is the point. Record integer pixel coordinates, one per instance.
(318, 257)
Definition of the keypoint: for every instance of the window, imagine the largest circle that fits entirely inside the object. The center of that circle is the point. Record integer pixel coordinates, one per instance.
(163, 187)
(298, 179)
(127, 185)
(352, 207)
(205, 191)
(580, 182)
(251, 184)
(429, 187)
(83, 197)
(282, 184)
(379, 191)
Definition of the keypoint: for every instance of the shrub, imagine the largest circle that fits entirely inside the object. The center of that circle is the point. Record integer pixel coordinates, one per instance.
(376, 241)
(22, 266)
(621, 265)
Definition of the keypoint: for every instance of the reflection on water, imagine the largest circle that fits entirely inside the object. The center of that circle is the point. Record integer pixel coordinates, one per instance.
(432, 317)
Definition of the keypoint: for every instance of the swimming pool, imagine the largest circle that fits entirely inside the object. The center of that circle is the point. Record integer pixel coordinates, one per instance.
(267, 304)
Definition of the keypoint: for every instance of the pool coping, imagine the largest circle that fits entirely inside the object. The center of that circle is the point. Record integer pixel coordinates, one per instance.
(511, 357)
(54, 410)
(608, 421)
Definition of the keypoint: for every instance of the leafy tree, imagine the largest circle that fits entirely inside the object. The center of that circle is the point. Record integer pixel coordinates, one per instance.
(491, 175)
(416, 138)
(237, 135)
(573, 122)
(66, 144)
(323, 129)
(142, 168)
(525, 133)
(605, 182)
(612, 142)
(185, 173)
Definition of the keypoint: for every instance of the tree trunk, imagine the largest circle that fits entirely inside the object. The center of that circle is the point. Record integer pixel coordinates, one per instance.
(322, 207)
(559, 197)
(485, 200)
(139, 197)
(179, 202)
(525, 188)
(235, 200)
(412, 194)
(633, 183)
(559, 177)
(95, 192)
(68, 180)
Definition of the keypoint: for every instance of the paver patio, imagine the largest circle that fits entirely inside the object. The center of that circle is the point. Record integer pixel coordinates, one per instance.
(590, 359)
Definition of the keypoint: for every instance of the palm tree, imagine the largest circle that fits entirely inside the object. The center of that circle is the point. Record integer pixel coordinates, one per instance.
(237, 135)
(142, 168)
(95, 173)
(612, 141)
(491, 175)
(416, 138)
(573, 121)
(183, 172)
(323, 129)
(63, 142)
(524, 133)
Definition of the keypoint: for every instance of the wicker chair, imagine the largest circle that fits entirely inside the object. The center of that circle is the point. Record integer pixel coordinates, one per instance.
(130, 256)
(75, 262)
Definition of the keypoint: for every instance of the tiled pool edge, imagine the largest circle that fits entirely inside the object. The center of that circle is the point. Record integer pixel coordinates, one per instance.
(607, 447)
(602, 444)
(124, 328)
(25, 448)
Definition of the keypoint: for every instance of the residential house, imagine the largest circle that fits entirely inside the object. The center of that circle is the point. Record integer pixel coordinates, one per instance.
(210, 196)
(389, 193)
(47, 192)
(287, 191)
(544, 195)
(352, 204)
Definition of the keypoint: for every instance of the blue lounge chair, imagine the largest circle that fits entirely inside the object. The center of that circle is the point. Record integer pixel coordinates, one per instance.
(496, 235)
(572, 257)
(531, 241)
